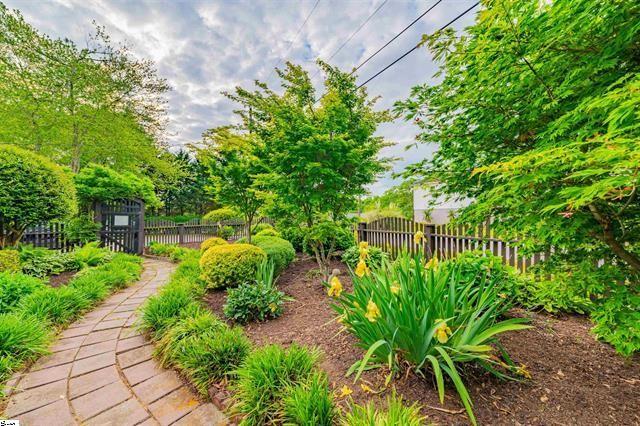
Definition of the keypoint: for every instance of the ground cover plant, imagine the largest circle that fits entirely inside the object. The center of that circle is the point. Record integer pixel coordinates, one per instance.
(259, 300)
(9, 260)
(435, 318)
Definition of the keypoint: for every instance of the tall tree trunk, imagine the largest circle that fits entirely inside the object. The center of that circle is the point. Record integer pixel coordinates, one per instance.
(609, 239)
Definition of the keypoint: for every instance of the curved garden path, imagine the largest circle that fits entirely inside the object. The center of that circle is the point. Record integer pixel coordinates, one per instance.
(101, 372)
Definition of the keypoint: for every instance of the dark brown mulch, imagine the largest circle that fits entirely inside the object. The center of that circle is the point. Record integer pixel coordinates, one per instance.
(576, 380)
(62, 278)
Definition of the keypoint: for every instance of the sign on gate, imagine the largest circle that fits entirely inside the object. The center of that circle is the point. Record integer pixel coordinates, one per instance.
(121, 225)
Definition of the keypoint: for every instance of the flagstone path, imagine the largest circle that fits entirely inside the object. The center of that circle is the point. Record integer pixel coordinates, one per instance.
(100, 372)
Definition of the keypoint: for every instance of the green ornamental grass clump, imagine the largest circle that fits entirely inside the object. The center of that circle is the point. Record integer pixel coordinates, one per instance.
(22, 338)
(15, 286)
(396, 413)
(230, 265)
(211, 242)
(264, 378)
(310, 403)
(430, 317)
(55, 305)
(9, 260)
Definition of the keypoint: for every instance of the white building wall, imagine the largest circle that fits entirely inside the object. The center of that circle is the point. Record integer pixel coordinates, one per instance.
(435, 210)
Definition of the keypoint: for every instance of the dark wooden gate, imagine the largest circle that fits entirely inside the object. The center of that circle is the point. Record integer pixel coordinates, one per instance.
(122, 225)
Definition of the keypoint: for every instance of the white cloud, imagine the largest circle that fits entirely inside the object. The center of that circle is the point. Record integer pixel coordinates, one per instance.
(205, 47)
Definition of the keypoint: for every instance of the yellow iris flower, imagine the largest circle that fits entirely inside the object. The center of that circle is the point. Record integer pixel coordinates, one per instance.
(442, 331)
(335, 288)
(345, 391)
(395, 287)
(363, 245)
(373, 313)
(418, 237)
(432, 263)
(362, 269)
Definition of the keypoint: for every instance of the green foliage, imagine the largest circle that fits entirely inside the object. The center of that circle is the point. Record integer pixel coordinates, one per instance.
(161, 311)
(318, 158)
(210, 242)
(536, 120)
(174, 252)
(41, 262)
(268, 232)
(261, 227)
(235, 166)
(179, 218)
(266, 375)
(22, 339)
(101, 183)
(230, 265)
(324, 239)
(375, 256)
(432, 318)
(81, 229)
(395, 414)
(295, 235)
(395, 202)
(9, 260)
(93, 286)
(92, 254)
(203, 348)
(54, 305)
(278, 250)
(310, 403)
(617, 320)
(255, 301)
(226, 232)
(15, 286)
(34, 190)
(78, 103)
(223, 213)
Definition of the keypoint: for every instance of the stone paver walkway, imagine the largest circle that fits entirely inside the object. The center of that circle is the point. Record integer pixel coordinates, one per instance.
(101, 372)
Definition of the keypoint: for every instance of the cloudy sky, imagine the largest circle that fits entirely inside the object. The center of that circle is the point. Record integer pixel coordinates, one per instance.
(205, 47)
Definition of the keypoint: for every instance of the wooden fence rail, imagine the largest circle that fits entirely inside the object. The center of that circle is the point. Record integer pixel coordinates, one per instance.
(395, 235)
(49, 235)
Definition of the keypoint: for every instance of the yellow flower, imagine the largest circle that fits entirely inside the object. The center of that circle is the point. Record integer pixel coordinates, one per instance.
(522, 370)
(335, 289)
(395, 287)
(366, 388)
(345, 391)
(273, 307)
(442, 331)
(363, 245)
(362, 269)
(418, 237)
(373, 313)
(432, 263)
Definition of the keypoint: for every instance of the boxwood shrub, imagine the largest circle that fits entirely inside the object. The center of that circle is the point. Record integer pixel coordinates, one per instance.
(278, 250)
(212, 242)
(230, 265)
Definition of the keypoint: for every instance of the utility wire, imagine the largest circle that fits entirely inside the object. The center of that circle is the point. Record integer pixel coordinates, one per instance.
(396, 36)
(353, 34)
(418, 45)
(295, 39)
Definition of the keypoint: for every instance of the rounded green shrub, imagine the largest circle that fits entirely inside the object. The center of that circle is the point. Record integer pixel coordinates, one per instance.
(261, 227)
(211, 242)
(34, 190)
(9, 260)
(278, 250)
(269, 232)
(231, 264)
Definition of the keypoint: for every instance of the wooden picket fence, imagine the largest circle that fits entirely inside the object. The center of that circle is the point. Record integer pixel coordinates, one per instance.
(193, 231)
(48, 235)
(395, 235)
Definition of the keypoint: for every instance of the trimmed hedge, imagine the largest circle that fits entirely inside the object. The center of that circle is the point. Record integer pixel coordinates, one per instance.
(9, 260)
(278, 250)
(231, 264)
(212, 242)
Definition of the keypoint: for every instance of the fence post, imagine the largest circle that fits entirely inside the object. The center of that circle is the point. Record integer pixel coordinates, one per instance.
(97, 212)
(362, 231)
(429, 230)
(141, 237)
(181, 233)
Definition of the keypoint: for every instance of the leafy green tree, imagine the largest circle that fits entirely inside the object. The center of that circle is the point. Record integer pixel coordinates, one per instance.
(536, 118)
(95, 104)
(185, 189)
(100, 183)
(235, 167)
(396, 201)
(320, 152)
(34, 190)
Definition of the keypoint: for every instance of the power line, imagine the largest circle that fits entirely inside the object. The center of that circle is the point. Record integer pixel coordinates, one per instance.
(396, 36)
(353, 34)
(417, 45)
(295, 39)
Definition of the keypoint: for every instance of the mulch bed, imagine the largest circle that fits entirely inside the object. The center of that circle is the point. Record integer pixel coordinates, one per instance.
(61, 279)
(576, 380)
